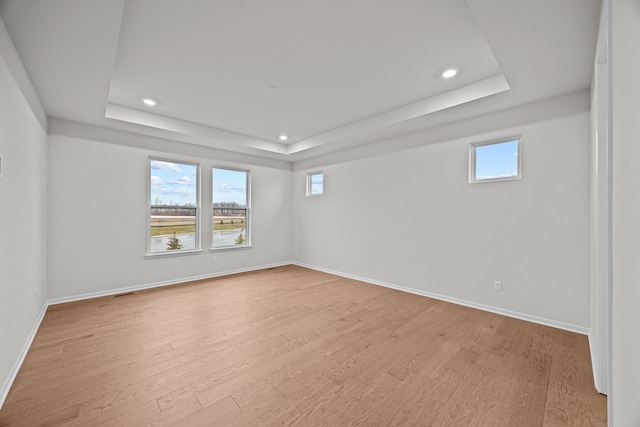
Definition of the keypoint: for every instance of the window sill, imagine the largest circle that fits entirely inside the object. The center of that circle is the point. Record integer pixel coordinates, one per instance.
(173, 254)
(506, 178)
(230, 248)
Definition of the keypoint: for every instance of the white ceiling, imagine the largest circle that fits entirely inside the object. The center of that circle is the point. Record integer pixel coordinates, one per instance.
(348, 72)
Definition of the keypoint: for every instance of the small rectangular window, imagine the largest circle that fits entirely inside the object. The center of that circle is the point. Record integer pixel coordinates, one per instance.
(315, 184)
(231, 204)
(495, 161)
(173, 206)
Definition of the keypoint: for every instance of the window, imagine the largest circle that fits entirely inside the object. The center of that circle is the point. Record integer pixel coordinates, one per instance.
(174, 198)
(495, 161)
(315, 184)
(231, 204)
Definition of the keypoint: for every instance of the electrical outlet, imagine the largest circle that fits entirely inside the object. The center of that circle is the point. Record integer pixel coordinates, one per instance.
(36, 296)
(497, 286)
(318, 254)
(213, 259)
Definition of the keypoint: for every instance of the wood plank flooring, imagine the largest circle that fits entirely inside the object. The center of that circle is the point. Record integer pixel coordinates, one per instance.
(292, 346)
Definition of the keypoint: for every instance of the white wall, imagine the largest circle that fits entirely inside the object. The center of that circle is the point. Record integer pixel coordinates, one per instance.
(625, 61)
(23, 226)
(411, 219)
(98, 218)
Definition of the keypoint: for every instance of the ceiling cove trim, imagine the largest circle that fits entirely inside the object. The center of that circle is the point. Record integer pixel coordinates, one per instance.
(130, 115)
(462, 95)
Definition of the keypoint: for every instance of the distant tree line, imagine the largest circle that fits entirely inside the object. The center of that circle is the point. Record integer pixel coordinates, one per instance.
(219, 209)
(173, 210)
(229, 209)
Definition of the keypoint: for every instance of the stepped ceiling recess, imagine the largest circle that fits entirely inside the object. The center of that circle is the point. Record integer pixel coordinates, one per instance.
(292, 79)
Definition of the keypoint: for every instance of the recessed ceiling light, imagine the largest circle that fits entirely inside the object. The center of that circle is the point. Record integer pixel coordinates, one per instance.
(150, 102)
(447, 74)
(273, 88)
(283, 137)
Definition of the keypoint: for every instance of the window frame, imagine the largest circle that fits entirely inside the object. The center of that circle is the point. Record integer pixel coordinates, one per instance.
(309, 183)
(247, 222)
(473, 160)
(197, 239)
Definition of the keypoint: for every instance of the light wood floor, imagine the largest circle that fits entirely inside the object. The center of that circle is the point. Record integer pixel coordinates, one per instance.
(291, 346)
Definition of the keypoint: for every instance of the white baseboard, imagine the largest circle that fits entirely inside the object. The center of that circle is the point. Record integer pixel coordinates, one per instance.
(4, 391)
(522, 316)
(117, 291)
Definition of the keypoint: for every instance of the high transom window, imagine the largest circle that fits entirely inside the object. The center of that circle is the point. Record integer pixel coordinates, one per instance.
(495, 161)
